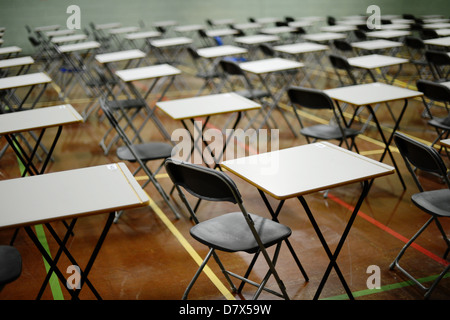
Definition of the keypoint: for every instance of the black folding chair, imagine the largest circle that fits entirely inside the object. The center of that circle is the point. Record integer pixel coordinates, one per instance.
(231, 232)
(10, 265)
(315, 99)
(141, 153)
(436, 92)
(439, 62)
(436, 203)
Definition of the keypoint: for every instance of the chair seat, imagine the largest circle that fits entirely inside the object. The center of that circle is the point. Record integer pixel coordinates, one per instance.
(146, 151)
(435, 202)
(230, 232)
(442, 123)
(125, 104)
(10, 264)
(255, 94)
(327, 132)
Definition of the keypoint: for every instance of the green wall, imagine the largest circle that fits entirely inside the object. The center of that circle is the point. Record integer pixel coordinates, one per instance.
(15, 14)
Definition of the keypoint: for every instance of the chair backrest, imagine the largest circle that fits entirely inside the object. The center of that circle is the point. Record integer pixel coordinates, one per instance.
(421, 156)
(193, 53)
(433, 90)
(310, 98)
(426, 33)
(231, 67)
(439, 58)
(331, 21)
(414, 43)
(341, 63)
(342, 45)
(360, 34)
(267, 49)
(202, 182)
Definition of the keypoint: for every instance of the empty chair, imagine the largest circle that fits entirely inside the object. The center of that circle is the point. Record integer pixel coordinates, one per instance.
(314, 99)
(203, 72)
(341, 65)
(267, 50)
(436, 92)
(141, 153)
(331, 21)
(426, 34)
(344, 47)
(238, 231)
(439, 62)
(436, 203)
(10, 265)
(360, 34)
(416, 49)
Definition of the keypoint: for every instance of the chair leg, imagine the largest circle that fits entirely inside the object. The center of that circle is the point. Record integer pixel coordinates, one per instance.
(200, 269)
(395, 263)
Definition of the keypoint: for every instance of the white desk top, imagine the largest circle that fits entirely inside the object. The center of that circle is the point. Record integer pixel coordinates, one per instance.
(47, 28)
(10, 49)
(256, 39)
(376, 44)
(270, 65)
(371, 93)
(69, 194)
(324, 36)
(395, 26)
(39, 118)
(203, 106)
(445, 142)
(58, 33)
(169, 42)
(247, 25)
(119, 56)
(301, 47)
(151, 72)
(445, 42)
(74, 37)
(123, 30)
(305, 169)
(110, 25)
(338, 28)
(24, 80)
(189, 28)
(220, 51)
(373, 61)
(165, 23)
(300, 24)
(437, 25)
(219, 22)
(277, 30)
(88, 45)
(142, 35)
(221, 32)
(266, 20)
(388, 34)
(443, 32)
(14, 62)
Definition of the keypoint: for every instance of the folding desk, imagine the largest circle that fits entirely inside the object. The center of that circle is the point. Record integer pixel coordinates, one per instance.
(338, 28)
(395, 26)
(11, 84)
(189, 109)
(284, 31)
(441, 42)
(176, 45)
(88, 191)
(251, 42)
(310, 49)
(59, 33)
(157, 73)
(70, 38)
(366, 95)
(143, 35)
(10, 50)
(324, 36)
(72, 55)
(374, 46)
(264, 69)
(302, 170)
(17, 123)
(23, 63)
(388, 34)
(376, 61)
(437, 26)
(443, 32)
(116, 32)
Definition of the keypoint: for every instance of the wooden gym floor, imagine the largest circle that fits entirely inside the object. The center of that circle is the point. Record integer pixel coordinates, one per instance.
(149, 255)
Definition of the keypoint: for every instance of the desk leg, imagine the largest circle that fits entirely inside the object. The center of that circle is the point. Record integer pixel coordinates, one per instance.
(333, 256)
(274, 215)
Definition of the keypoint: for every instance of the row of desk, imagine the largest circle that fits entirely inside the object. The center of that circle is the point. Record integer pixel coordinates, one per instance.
(318, 166)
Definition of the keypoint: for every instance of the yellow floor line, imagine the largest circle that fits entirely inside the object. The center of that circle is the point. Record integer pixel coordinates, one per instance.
(211, 275)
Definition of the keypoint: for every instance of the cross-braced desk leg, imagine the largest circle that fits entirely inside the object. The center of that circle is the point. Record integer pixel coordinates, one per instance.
(333, 256)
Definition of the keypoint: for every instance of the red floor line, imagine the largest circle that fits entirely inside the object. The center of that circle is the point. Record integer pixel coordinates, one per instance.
(388, 230)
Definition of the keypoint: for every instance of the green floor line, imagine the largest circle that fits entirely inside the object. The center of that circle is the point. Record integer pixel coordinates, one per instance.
(40, 234)
(385, 288)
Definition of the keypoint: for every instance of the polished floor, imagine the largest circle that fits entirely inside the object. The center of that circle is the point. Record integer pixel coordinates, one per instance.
(149, 255)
